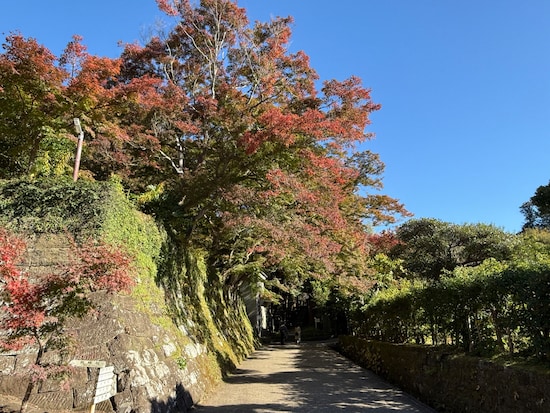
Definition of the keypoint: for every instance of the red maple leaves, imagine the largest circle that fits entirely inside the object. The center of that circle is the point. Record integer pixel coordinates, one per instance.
(219, 112)
(35, 307)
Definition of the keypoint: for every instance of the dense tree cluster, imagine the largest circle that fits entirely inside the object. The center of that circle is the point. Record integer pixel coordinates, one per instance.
(474, 286)
(429, 247)
(219, 131)
(233, 143)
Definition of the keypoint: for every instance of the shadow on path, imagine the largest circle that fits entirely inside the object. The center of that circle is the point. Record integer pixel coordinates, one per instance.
(306, 378)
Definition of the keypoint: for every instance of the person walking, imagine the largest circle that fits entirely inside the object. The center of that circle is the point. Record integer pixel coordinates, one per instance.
(297, 334)
(283, 332)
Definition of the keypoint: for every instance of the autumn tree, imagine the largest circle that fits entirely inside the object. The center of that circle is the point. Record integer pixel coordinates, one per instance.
(40, 95)
(263, 162)
(383, 242)
(35, 308)
(240, 148)
(111, 110)
(31, 108)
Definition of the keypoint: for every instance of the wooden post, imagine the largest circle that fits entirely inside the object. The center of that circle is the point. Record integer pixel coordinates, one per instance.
(78, 148)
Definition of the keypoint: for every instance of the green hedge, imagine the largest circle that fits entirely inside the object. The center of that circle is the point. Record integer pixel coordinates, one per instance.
(54, 205)
(86, 210)
(483, 311)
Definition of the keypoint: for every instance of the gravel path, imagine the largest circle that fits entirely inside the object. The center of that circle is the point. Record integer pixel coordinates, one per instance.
(310, 377)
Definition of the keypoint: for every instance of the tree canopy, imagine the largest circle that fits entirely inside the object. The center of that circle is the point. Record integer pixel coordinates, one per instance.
(429, 246)
(219, 130)
(537, 210)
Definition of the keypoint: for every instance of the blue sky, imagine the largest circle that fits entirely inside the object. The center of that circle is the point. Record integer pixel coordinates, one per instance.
(464, 128)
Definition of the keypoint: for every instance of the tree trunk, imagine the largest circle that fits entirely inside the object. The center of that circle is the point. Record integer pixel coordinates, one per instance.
(511, 346)
(30, 386)
(495, 316)
(26, 397)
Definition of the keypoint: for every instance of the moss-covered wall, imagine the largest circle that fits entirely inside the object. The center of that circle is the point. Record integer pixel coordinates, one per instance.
(170, 340)
(450, 382)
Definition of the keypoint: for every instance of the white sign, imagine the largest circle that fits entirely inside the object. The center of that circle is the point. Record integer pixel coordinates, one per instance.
(106, 384)
(88, 363)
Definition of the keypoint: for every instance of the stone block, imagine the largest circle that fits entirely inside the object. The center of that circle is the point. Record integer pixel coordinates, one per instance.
(7, 364)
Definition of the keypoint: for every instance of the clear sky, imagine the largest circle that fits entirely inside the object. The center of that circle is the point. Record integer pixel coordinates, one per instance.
(464, 128)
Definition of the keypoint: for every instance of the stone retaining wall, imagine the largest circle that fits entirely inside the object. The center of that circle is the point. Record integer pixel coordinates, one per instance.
(453, 383)
(159, 363)
(157, 370)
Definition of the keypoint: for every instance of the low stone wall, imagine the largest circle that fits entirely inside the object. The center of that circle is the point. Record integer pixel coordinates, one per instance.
(453, 383)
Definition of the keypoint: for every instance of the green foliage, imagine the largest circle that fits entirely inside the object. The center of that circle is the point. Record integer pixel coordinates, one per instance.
(537, 210)
(123, 225)
(54, 156)
(83, 208)
(533, 246)
(388, 314)
(320, 292)
(387, 271)
(50, 205)
(486, 309)
(181, 362)
(456, 300)
(430, 247)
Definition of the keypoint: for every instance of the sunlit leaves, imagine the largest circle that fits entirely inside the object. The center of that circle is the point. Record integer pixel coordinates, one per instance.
(262, 160)
(36, 306)
(31, 103)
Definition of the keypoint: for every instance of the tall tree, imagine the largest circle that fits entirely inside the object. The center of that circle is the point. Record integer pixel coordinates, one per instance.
(429, 246)
(246, 152)
(254, 147)
(537, 210)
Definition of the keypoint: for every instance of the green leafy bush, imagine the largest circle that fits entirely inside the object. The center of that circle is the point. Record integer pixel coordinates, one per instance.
(487, 309)
(51, 205)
